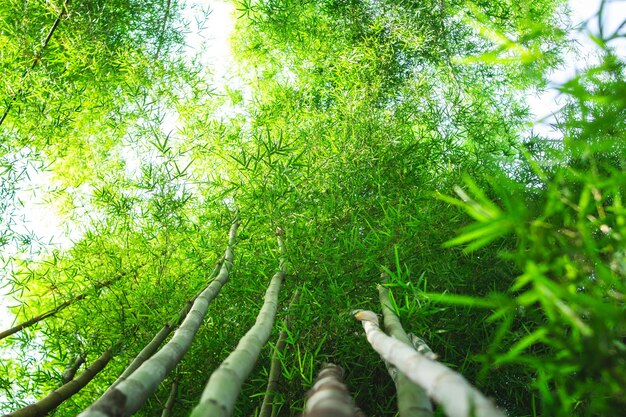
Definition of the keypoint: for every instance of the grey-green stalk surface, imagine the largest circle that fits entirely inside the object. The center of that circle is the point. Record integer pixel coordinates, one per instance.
(221, 392)
(130, 395)
(412, 399)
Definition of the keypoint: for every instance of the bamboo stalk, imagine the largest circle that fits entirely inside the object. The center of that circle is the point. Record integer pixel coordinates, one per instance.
(329, 396)
(130, 395)
(412, 399)
(56, 397)
(267, 408)
(150, 349)
(221, 392)
(446, 387)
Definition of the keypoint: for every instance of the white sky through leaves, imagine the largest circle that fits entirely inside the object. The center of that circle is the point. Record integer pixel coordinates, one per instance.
(209, 40)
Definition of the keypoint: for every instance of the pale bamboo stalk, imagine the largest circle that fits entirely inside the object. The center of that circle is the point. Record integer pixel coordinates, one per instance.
(221, 392)
(130, 395)
(44, 406)
(267, 408)
(329, 396)
(160, 337)
(446, 387)
(171, 400)
(412, 399)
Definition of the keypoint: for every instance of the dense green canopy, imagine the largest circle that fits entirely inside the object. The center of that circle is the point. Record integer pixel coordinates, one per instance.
(382, 136)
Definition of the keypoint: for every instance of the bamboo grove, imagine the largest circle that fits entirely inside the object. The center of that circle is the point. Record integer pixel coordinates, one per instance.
(360, 218)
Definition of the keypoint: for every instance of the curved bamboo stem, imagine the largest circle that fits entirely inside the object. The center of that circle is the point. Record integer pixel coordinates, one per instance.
(412, 399)
(446, 387)
(267, 408)
(130, 395)
(221, 392)
(151, 348)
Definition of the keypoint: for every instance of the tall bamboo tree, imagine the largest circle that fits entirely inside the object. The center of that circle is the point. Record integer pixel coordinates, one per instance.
(446, 387)
(413, 401)
(130, 394)
(149, 350)
(267, 407)
(221, 392)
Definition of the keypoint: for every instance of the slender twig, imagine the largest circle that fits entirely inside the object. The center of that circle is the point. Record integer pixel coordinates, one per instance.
(55, 310)
(171, 400)
(71, 370)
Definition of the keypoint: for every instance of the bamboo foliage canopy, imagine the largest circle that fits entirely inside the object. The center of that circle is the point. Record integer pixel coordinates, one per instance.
(380, 136)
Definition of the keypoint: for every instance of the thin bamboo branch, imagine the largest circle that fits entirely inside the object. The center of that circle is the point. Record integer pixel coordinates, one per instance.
(55, 310)
(171, 400)
(221, 392)
(329, 396)
(56, 397)
(446, 387)
(130, 395)
(267, 408)
(412, 399)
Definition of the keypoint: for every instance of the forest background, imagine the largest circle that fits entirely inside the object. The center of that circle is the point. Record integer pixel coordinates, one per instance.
(382, 136)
